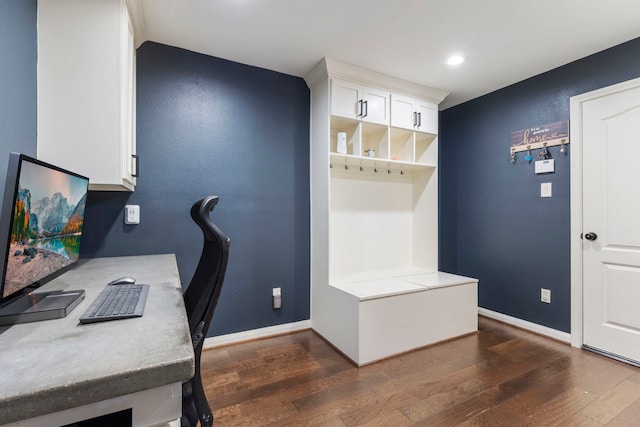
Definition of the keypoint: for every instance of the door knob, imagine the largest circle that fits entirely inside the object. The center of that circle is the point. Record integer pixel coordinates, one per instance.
(591, 236)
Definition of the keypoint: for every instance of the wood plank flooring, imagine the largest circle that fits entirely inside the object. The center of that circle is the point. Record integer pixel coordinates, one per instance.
(501, 376)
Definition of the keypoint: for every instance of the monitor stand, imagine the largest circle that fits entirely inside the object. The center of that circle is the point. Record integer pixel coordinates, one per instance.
(37, 306)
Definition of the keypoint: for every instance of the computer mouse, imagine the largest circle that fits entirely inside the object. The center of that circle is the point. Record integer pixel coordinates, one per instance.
(122, 281)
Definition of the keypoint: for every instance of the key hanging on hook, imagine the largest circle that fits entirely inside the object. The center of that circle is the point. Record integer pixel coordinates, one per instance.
(544, 154)
(513, 155)
(562, 146)
(528, 157)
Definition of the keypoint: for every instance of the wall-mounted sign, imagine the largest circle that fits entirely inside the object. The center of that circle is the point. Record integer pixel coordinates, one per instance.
(548, 135)
(545, 166)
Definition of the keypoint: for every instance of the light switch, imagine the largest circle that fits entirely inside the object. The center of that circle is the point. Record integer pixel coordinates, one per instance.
(545, 189)
(132, 214)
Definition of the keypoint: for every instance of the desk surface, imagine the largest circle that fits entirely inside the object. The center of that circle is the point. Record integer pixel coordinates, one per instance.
(53, 365)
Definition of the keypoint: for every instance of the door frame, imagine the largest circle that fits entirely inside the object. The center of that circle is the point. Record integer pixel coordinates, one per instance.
(575, 151)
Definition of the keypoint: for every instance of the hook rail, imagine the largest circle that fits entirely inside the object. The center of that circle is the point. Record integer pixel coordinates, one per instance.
(538, 145)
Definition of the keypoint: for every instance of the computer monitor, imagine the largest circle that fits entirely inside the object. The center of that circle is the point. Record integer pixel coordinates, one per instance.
(40, 232)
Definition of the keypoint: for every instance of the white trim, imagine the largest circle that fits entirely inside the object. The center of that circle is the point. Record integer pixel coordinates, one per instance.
(255, 334)
(136, 14)
(529, 326)
(343, 70)
(575, 191)
(576, 167)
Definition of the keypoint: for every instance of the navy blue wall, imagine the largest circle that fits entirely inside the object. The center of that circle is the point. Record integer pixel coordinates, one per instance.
(210, 126)
(493, 223)
(18, 79)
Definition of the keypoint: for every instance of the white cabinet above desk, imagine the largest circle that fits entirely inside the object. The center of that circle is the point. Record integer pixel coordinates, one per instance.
(86, 90)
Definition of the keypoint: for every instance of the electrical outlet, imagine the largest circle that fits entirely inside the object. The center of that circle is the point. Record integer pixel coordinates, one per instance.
(132, 214)
(277, 297)
(545, 295)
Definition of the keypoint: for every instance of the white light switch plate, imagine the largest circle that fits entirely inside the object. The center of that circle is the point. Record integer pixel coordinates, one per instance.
(545, 189)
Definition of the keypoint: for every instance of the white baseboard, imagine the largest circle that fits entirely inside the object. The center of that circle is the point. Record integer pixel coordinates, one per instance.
(287, 328)
(253, 334)
(533, 327)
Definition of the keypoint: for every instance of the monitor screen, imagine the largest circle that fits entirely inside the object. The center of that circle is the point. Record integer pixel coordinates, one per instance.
(40, 224)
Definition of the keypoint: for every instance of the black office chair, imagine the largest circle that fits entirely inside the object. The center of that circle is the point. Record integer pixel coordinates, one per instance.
(200, 299)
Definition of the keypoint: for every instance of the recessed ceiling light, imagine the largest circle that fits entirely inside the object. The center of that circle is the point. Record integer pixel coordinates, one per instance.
(455, 60)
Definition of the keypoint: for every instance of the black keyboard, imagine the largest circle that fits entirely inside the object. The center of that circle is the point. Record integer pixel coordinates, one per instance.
(117, 302)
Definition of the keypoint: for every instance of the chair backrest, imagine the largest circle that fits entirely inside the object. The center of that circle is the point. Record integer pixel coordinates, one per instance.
(201, 296)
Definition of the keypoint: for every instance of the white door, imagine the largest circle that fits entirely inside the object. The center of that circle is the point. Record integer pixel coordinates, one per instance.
(611, 222)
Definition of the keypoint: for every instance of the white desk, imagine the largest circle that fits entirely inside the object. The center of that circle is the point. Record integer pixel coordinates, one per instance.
(56, 372)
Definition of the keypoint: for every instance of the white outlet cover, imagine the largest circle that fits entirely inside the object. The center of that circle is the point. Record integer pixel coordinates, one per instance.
(132, 214)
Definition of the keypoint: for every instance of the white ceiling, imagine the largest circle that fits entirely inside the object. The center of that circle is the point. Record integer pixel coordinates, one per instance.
(504, 41)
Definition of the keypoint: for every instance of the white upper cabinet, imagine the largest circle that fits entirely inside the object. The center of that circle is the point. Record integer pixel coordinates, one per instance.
(355, 101)
(414, 114)
(86, 90)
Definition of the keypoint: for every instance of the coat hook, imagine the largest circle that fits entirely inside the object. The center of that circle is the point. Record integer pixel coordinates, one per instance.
(376, 170)
(389, 171)
(361, 168)
(346, 167)
(401, 172)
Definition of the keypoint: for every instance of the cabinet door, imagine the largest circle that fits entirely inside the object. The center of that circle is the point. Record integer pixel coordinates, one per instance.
(427, 116)
(402, 112)
(128, 99)
(345, 99)
(86, 121)
(376, 105)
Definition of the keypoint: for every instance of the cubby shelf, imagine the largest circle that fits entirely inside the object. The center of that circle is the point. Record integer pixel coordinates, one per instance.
(398, 148)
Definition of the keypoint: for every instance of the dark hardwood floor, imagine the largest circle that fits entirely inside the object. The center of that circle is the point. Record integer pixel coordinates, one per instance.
(501, 376)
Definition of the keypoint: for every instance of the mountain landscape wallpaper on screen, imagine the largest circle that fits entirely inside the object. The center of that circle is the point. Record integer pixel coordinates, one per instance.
(47, 225)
